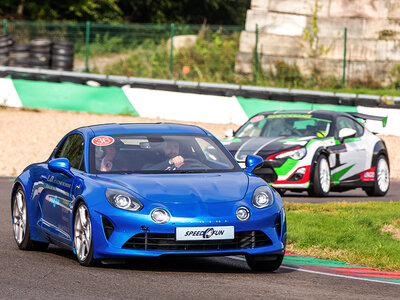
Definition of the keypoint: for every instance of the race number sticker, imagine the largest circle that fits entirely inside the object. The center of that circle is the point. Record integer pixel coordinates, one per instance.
(256, 119)
(102, 140)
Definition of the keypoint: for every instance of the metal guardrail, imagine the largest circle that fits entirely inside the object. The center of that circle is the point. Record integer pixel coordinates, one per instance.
(246, 91)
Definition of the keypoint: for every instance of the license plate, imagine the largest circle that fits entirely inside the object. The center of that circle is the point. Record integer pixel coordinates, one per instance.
(205, 233)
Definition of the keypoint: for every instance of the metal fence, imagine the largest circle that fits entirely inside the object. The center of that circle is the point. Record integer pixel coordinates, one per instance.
(141, 50)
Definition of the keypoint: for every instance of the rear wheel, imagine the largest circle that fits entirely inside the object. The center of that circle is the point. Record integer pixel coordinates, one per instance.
(264, 263)
(21, 224)
(83, 236)
(382, 181)
(321, 178)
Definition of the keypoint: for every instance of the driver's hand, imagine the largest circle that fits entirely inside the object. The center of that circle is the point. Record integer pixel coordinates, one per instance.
(177, 161)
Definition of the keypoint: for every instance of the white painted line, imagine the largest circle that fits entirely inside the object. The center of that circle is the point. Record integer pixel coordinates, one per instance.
(323, 273)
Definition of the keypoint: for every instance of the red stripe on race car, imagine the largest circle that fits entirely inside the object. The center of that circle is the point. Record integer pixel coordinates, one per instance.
(304, 179)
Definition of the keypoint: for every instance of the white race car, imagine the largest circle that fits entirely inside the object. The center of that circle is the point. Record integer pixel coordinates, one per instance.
(316, 151)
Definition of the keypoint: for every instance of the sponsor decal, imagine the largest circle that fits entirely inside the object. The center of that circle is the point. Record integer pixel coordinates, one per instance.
(256, 119)
(102, 141)
(204, 233)
(368, 175)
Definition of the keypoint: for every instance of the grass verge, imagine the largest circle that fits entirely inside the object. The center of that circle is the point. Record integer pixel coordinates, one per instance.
(359, 233)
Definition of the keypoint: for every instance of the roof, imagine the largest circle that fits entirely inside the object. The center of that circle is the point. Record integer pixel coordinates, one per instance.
(144, 128)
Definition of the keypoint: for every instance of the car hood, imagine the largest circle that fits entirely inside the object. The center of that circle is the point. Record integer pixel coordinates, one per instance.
(183, 188)
(263, 146)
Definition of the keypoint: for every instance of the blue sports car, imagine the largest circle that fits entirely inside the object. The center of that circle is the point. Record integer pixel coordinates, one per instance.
(128, 190)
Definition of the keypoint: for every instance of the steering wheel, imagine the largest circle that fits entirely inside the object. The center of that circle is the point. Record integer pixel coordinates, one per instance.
(193, 163)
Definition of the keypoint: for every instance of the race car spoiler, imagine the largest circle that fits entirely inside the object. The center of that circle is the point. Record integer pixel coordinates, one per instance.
(369, 117)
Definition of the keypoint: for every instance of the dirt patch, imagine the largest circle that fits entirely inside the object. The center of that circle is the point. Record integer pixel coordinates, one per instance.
(392, 230)
(29, 135)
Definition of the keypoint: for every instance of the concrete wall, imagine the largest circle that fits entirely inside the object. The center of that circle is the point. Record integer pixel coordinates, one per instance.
(373, 43)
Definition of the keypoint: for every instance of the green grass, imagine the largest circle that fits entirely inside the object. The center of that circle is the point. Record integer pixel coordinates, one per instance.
(350, 232)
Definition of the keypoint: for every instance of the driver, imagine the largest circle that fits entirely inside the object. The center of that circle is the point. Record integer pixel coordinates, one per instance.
(170, 158)
(106, 163)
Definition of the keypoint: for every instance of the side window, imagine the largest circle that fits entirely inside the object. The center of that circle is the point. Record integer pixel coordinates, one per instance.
(344, 122)
(73, 148)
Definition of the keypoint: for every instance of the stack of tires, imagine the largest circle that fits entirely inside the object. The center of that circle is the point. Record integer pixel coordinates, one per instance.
(40, 50)
(62, 56)
(20, 55)
(6, 42)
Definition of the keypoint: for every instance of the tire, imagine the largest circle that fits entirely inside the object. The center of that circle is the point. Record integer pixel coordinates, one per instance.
(63, 45)
(4, 51)
(281, 191)
(62, 51)
(264, 263)
(382, 179)
(40, 43)
(20, 55)
(83, 241)
(6, 43)
(35, 49)
(21, 227)
(6, 37)
(20, 48)
(321, 178)
(62, 64)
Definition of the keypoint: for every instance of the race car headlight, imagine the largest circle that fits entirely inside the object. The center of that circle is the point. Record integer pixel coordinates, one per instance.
(294, 154)
(160, 216)
(123, 200)
(262, 197)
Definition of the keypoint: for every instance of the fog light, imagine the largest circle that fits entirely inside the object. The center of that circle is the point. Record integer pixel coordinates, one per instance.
(160, 216)
(243, 214)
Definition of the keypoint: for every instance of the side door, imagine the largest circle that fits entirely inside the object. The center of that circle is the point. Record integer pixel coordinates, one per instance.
(352, 159)
(57, 200)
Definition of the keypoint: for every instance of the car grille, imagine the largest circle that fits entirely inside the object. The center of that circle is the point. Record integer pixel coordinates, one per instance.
(167, 242)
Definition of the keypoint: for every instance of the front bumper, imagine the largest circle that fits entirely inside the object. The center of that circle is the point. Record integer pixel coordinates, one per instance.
(135, 234)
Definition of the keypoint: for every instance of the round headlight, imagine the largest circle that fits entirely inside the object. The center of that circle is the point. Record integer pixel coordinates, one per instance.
(160, 216)
(122, 201)
(243, 214)
(262, 197)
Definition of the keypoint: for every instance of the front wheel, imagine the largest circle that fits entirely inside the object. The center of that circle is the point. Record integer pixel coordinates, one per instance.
(83, 236)
(20, 221)
(382, 181)
(264, 263)
(321, 178)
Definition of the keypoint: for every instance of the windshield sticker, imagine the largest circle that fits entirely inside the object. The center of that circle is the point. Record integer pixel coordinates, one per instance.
(256, 119)
(102, 141)
(289, 116)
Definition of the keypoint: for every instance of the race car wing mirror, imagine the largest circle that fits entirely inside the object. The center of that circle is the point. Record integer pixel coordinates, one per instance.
(229, 132)
(61, 165)
(345, 133)
(253, 162)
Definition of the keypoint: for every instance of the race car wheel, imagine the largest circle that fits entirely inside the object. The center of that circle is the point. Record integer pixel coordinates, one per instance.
(21, 224)
(83, 236)
(264, 263)
(382, 182)
(321, 178)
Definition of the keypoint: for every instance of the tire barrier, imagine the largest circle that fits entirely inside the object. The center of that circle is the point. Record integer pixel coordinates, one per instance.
(39, 54)
(62, 56)
(6, 41)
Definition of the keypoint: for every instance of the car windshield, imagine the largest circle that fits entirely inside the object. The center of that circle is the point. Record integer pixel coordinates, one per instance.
(285, 125)
(158, 153)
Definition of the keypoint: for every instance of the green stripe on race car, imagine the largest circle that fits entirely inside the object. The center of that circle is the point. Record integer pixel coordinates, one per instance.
(335, 178)
(286, 167)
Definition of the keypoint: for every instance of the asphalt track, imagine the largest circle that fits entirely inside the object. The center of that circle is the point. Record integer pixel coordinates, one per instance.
(55, 273)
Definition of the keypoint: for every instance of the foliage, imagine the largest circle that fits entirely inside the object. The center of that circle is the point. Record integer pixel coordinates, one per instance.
(395, 77)
(186, 11)
(351, 232)
(311, 36)
(78, 10)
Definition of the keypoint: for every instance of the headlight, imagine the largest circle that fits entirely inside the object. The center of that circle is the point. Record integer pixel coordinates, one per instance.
(160, 216)
(262, 197)
(123, 200)
(294, 154)
(243, 214)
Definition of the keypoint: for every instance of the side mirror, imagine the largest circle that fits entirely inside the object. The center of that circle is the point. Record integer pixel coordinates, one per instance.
(229, 132)
(61, 165)
(345, 133)
(253, 162)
